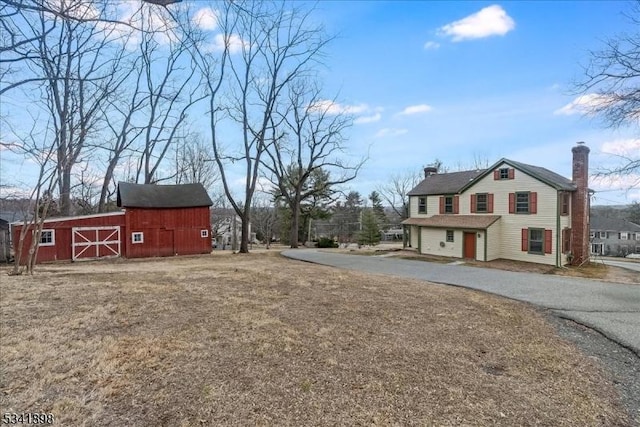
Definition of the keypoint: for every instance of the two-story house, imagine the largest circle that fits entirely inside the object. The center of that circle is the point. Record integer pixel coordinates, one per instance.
(510, 210)
(614, 236)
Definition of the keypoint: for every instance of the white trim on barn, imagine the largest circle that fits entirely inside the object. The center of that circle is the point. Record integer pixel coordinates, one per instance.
(82, 242)
(71, 218)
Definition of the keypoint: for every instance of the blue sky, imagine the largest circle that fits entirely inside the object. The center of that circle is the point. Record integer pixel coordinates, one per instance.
(474, 79)
(456, 81)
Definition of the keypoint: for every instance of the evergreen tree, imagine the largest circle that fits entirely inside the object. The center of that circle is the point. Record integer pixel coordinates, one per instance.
(370, 233)
(378, 209)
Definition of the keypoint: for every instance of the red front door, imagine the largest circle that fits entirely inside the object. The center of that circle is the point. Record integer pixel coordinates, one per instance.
(469, 250)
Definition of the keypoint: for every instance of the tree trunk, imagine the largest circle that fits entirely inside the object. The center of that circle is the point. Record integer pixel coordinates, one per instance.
(65, 192)
(295, 222)
(102, 204)
(244, 240)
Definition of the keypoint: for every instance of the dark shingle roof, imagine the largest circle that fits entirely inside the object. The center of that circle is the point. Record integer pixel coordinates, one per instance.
(480, 222)
(162, 196)
(602, 223)
(551, 178)
(444, 183)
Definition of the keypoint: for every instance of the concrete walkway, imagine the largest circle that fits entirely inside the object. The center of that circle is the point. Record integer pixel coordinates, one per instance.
(611, 308)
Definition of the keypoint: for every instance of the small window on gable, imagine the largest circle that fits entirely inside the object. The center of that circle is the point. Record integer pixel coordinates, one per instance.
(47, 238)
(504, 173)
(422, 205)
(449, 235)
(448, 204)
(204, 233)
(137, 237)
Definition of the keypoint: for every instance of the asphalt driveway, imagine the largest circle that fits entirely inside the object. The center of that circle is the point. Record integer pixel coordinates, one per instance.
(611, 308)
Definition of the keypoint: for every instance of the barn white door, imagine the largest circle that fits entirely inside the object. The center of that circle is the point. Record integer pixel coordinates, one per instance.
(95, 242)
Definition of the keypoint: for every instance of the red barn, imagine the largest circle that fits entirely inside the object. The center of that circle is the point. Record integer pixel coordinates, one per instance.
(156, 220)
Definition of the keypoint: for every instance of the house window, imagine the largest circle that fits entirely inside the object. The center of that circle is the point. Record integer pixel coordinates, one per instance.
(504, 173)
(597, 248)
(624, 236)
(448, 204)
(449, 235)
(564, 204)
(422, 205)
(481, 203)
(592, 235)
(566, 240)
(137, 237)
(48, 238)
(522, 202)
(536, 241)
(204, 233)
(603, 234)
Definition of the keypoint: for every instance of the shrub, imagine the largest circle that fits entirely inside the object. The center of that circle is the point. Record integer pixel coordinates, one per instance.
(326, 242)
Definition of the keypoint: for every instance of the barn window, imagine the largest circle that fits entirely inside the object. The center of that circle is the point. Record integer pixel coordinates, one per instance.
(137, 237)
(48, 238)
(204, 233)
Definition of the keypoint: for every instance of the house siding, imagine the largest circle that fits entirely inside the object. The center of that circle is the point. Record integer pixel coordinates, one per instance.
(505, 240)
(507, 236)
(432, 237)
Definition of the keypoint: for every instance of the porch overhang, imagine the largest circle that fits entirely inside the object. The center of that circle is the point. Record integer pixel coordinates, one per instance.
(467, 222)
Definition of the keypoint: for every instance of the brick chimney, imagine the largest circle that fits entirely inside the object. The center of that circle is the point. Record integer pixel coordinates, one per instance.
(430, 170)
(580, 205)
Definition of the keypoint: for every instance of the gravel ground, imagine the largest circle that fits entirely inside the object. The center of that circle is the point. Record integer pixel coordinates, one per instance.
(621, 364)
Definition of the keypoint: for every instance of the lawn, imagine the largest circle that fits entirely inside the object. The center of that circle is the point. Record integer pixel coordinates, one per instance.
(261, 340)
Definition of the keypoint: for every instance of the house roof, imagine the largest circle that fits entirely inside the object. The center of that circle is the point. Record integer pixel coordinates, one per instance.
(445, 183)
(162, 196)
(457, 182)
(603, 223)
(550, 178)
(479, 222)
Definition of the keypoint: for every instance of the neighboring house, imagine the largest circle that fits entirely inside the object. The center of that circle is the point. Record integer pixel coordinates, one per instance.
(510, 210)
(156, 220)
(614, 236)
(226, 229)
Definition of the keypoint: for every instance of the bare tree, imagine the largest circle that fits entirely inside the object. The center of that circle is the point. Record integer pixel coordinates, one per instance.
(265, 47)
(307, 149)
(610, 87)
(194, 163)
(265, 217)
(77, 68)
(396, 191)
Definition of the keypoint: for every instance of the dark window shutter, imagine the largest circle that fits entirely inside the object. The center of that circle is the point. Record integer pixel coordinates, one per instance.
(456, 204)
(473, 203)
(566, 240)
(512, 202)
(533, 202)
(496, 174)
(547, 241)
(512, 173)
(490, 203)
(441, 205)
(525, 239)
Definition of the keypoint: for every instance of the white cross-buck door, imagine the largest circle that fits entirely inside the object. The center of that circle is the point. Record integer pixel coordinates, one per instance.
(95, 242)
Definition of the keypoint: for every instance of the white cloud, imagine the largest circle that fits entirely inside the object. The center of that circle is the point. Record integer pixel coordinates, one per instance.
(415, 109)
(431, 45)
(368, 119)
(622, 147)
(332, 107)
(385, 132)
(490, 21)
(235, 44)
(584, 104)
(206, 18)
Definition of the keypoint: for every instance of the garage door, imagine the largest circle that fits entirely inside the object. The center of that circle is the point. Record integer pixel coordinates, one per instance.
(95, 242)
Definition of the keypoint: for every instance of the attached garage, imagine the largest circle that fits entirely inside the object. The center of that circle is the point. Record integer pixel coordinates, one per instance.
(155, 220)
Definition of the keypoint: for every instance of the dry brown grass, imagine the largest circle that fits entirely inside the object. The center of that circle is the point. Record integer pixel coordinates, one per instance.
(260, 340)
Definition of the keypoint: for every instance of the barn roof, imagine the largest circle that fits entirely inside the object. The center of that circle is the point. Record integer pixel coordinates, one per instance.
(162, 196)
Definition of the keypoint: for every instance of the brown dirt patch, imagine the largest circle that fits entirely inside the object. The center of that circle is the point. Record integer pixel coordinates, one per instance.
(261, 340)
